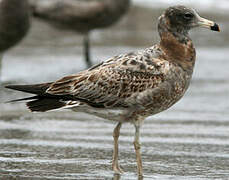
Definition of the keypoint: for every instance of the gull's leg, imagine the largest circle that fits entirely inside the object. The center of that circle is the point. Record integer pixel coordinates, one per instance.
(115, 165)
(137, 147)
(1, 55)
(87, 50)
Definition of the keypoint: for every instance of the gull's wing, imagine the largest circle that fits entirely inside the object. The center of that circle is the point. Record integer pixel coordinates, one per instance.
(126, 81)
(112, 83)
(67, 11)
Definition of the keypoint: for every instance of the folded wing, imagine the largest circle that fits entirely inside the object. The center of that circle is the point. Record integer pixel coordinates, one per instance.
(111, 84)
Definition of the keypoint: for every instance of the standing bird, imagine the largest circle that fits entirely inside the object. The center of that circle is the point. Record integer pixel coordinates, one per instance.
(130, 87)
(81, 16)
(14, 23)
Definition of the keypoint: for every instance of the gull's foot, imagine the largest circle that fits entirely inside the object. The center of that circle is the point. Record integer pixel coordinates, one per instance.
(117, 169)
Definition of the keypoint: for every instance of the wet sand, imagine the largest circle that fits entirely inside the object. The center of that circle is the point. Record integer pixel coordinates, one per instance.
(189, 141)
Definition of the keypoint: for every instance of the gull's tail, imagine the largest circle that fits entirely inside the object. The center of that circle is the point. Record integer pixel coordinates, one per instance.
(42, 101)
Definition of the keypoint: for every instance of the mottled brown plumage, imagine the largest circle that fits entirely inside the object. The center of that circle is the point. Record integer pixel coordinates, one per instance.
(131, 87)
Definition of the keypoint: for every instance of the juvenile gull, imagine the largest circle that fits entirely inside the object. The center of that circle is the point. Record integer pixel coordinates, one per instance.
(130, 87)
(14, 23)
(81, 16)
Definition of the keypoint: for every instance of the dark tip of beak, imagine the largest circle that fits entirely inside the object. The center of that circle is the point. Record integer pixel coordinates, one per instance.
(215, 27)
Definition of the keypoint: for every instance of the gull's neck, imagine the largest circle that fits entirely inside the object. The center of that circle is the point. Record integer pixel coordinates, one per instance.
(180, 33)
(176, 44)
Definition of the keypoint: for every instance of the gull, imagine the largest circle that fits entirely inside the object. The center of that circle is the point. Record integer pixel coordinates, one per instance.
(14, 24)
(128, 88)
(81, 16)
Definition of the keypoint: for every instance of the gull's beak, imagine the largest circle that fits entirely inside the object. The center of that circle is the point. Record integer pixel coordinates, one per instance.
(208, 24)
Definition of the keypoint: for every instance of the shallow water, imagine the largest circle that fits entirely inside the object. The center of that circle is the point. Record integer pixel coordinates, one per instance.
(189, 141)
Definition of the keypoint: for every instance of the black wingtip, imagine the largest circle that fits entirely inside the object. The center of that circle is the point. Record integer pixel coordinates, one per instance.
(23, 99)
(215, 27)
(10, 86)
(38, 89)
(16, 87)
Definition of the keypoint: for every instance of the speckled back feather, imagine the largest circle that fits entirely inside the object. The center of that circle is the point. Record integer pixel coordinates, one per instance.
(111, 83)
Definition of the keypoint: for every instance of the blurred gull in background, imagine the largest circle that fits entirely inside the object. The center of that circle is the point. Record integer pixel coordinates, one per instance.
(81, 16)
(14, 24)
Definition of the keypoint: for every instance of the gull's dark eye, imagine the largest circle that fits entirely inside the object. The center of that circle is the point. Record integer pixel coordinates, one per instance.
(188, 16)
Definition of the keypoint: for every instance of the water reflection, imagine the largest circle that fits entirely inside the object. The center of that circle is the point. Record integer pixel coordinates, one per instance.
(119, 177)
(14, 133)
(116, 177)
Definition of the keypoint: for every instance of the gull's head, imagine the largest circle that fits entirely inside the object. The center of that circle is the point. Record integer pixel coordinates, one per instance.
(182, 19)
